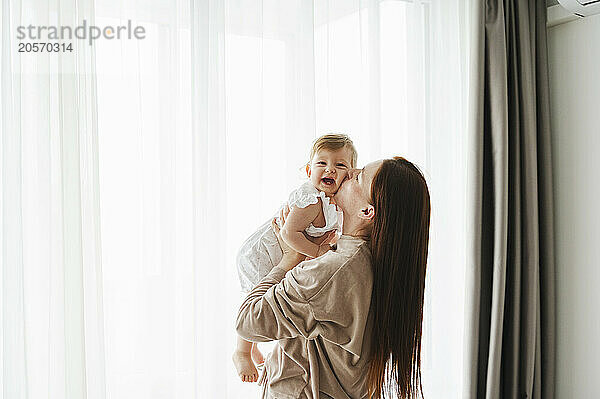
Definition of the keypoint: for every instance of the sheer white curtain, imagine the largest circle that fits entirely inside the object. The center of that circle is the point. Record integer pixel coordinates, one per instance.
(52, 328)
(127, 189)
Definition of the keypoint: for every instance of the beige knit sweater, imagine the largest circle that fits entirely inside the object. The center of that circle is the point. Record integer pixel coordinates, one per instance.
(319, 313)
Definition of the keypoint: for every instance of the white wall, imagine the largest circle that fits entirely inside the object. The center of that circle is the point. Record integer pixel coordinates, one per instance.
(574, 58)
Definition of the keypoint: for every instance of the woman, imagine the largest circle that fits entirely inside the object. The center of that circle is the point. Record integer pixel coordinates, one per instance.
(348, 324)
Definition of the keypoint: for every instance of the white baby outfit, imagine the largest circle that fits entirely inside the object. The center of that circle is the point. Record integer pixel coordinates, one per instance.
(261, 251)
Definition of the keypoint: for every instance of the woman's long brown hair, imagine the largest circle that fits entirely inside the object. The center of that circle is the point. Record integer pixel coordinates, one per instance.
(399, 241)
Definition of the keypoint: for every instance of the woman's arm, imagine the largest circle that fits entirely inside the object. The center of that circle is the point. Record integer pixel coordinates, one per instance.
(275, 309)
(292, 231)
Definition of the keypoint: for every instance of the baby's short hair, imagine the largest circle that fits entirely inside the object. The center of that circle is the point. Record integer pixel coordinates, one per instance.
(334, 142)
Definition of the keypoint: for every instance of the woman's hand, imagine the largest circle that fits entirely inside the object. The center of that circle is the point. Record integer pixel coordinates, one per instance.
(290, 257)
(323, 242)
(325, 246)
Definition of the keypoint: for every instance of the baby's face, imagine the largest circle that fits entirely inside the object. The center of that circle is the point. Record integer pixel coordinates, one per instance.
(328, 169)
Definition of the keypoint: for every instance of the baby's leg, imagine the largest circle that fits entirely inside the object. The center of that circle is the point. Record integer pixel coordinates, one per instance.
(257, 357)
(242, 359)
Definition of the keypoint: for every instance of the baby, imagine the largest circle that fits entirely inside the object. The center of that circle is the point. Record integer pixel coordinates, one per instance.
(312, 212)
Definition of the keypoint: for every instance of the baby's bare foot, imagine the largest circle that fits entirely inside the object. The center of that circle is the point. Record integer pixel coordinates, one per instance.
(244, 366)
(257, 357)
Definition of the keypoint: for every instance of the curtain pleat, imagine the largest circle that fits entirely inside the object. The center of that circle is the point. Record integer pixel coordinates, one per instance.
(209, 171)
(13, 321)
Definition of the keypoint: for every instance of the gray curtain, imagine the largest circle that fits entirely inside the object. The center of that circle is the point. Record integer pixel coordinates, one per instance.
(510, 322)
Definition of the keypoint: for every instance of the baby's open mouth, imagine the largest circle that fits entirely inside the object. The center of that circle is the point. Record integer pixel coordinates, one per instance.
(328, 181)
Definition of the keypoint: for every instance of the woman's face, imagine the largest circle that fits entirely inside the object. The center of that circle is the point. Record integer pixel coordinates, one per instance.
(354, 194)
